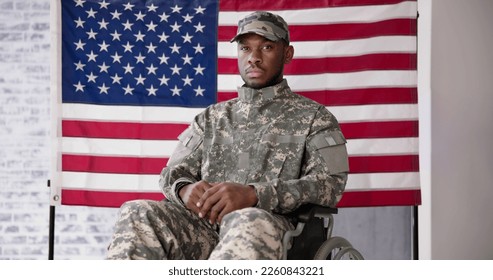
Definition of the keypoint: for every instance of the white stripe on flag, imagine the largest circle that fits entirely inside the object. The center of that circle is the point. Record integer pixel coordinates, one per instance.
(314, 49)
(383, 146)
(149, 114)
(118, 147)
(131, 182)
(110, 182)
(383, 181)
(367, 113)
(364, 79)
(72, 111)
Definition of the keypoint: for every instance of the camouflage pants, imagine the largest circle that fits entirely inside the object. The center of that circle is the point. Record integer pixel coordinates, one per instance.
(164, 230)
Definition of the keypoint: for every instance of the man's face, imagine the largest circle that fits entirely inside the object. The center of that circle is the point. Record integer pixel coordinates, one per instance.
(261, 61)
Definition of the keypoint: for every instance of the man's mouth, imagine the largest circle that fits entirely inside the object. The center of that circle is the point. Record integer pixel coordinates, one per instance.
(253, 73)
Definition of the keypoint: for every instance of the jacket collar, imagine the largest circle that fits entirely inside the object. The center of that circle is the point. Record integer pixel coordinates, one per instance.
(251, 95)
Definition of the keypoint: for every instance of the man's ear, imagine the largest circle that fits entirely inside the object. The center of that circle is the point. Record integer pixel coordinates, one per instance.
(289, 53)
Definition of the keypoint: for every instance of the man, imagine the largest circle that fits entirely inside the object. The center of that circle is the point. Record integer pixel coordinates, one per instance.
(241, 165)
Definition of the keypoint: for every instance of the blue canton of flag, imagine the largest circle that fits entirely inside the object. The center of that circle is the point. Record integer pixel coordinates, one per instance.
(137, 52)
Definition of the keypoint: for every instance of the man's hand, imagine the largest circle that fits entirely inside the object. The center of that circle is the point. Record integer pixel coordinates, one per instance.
(190, 194)
(223, 198)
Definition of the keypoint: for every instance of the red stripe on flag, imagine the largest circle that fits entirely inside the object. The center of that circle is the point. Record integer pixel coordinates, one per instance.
(349, 199)
(306, 66)
(379, 164)
(234, 5)
(116, 130)
(338, 31)
(389, 129)
(122, 130)
(107, 164)
(361, 96)
(105, 199)
(153, 166)
(347, 31)
(380, 198)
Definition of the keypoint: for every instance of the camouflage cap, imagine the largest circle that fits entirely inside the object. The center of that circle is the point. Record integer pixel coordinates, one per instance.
(268, 25)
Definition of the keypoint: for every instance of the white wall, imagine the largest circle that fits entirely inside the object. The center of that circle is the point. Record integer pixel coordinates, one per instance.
(461, 86)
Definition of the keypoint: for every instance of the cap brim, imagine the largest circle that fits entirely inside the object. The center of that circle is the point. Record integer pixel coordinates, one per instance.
(260, 32)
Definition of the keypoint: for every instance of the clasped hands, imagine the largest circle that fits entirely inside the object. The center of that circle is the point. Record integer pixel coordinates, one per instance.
(213, 201)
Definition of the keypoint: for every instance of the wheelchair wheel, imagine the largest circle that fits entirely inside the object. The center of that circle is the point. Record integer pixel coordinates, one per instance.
(338, 248)
(348, 253)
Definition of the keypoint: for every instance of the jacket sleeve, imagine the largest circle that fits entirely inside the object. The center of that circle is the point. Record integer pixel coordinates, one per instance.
(324, 171)
(184, 165)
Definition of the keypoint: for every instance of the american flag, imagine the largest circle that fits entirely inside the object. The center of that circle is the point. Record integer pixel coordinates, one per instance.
(132, 74)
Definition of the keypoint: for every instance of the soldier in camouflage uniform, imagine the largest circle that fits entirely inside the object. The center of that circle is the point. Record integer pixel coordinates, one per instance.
(241, 165)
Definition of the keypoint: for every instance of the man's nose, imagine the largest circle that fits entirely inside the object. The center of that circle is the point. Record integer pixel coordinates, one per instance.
(255, 57)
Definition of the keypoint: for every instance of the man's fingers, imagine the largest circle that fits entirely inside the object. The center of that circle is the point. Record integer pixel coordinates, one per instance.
(191, 194)
(216, 201)
(207, 201)
(226, 210)
(223, 198)
(216, 212)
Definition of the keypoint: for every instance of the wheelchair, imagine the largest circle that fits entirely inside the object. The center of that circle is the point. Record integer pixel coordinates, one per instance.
(312, 238)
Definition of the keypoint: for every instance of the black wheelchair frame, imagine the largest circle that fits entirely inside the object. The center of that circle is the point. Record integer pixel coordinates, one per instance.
(312, 238)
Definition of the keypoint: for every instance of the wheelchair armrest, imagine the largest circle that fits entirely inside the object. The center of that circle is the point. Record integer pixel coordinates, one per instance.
(306, 212)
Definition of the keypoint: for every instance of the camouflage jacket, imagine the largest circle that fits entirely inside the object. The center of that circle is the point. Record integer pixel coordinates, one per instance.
(288, 147)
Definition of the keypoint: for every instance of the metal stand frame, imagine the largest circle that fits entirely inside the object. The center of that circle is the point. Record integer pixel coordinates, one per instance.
(415, 234)
(51, 233)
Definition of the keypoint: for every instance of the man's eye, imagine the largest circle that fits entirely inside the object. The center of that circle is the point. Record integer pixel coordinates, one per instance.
(244, 48)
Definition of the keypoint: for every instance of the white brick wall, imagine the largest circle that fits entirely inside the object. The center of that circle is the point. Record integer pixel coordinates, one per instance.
(81, 232)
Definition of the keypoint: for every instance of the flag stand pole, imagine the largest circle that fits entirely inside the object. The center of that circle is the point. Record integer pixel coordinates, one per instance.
(51, 233)
(415, 247)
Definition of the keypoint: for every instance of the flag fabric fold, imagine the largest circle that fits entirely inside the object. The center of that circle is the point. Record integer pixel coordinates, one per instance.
(134, 73)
